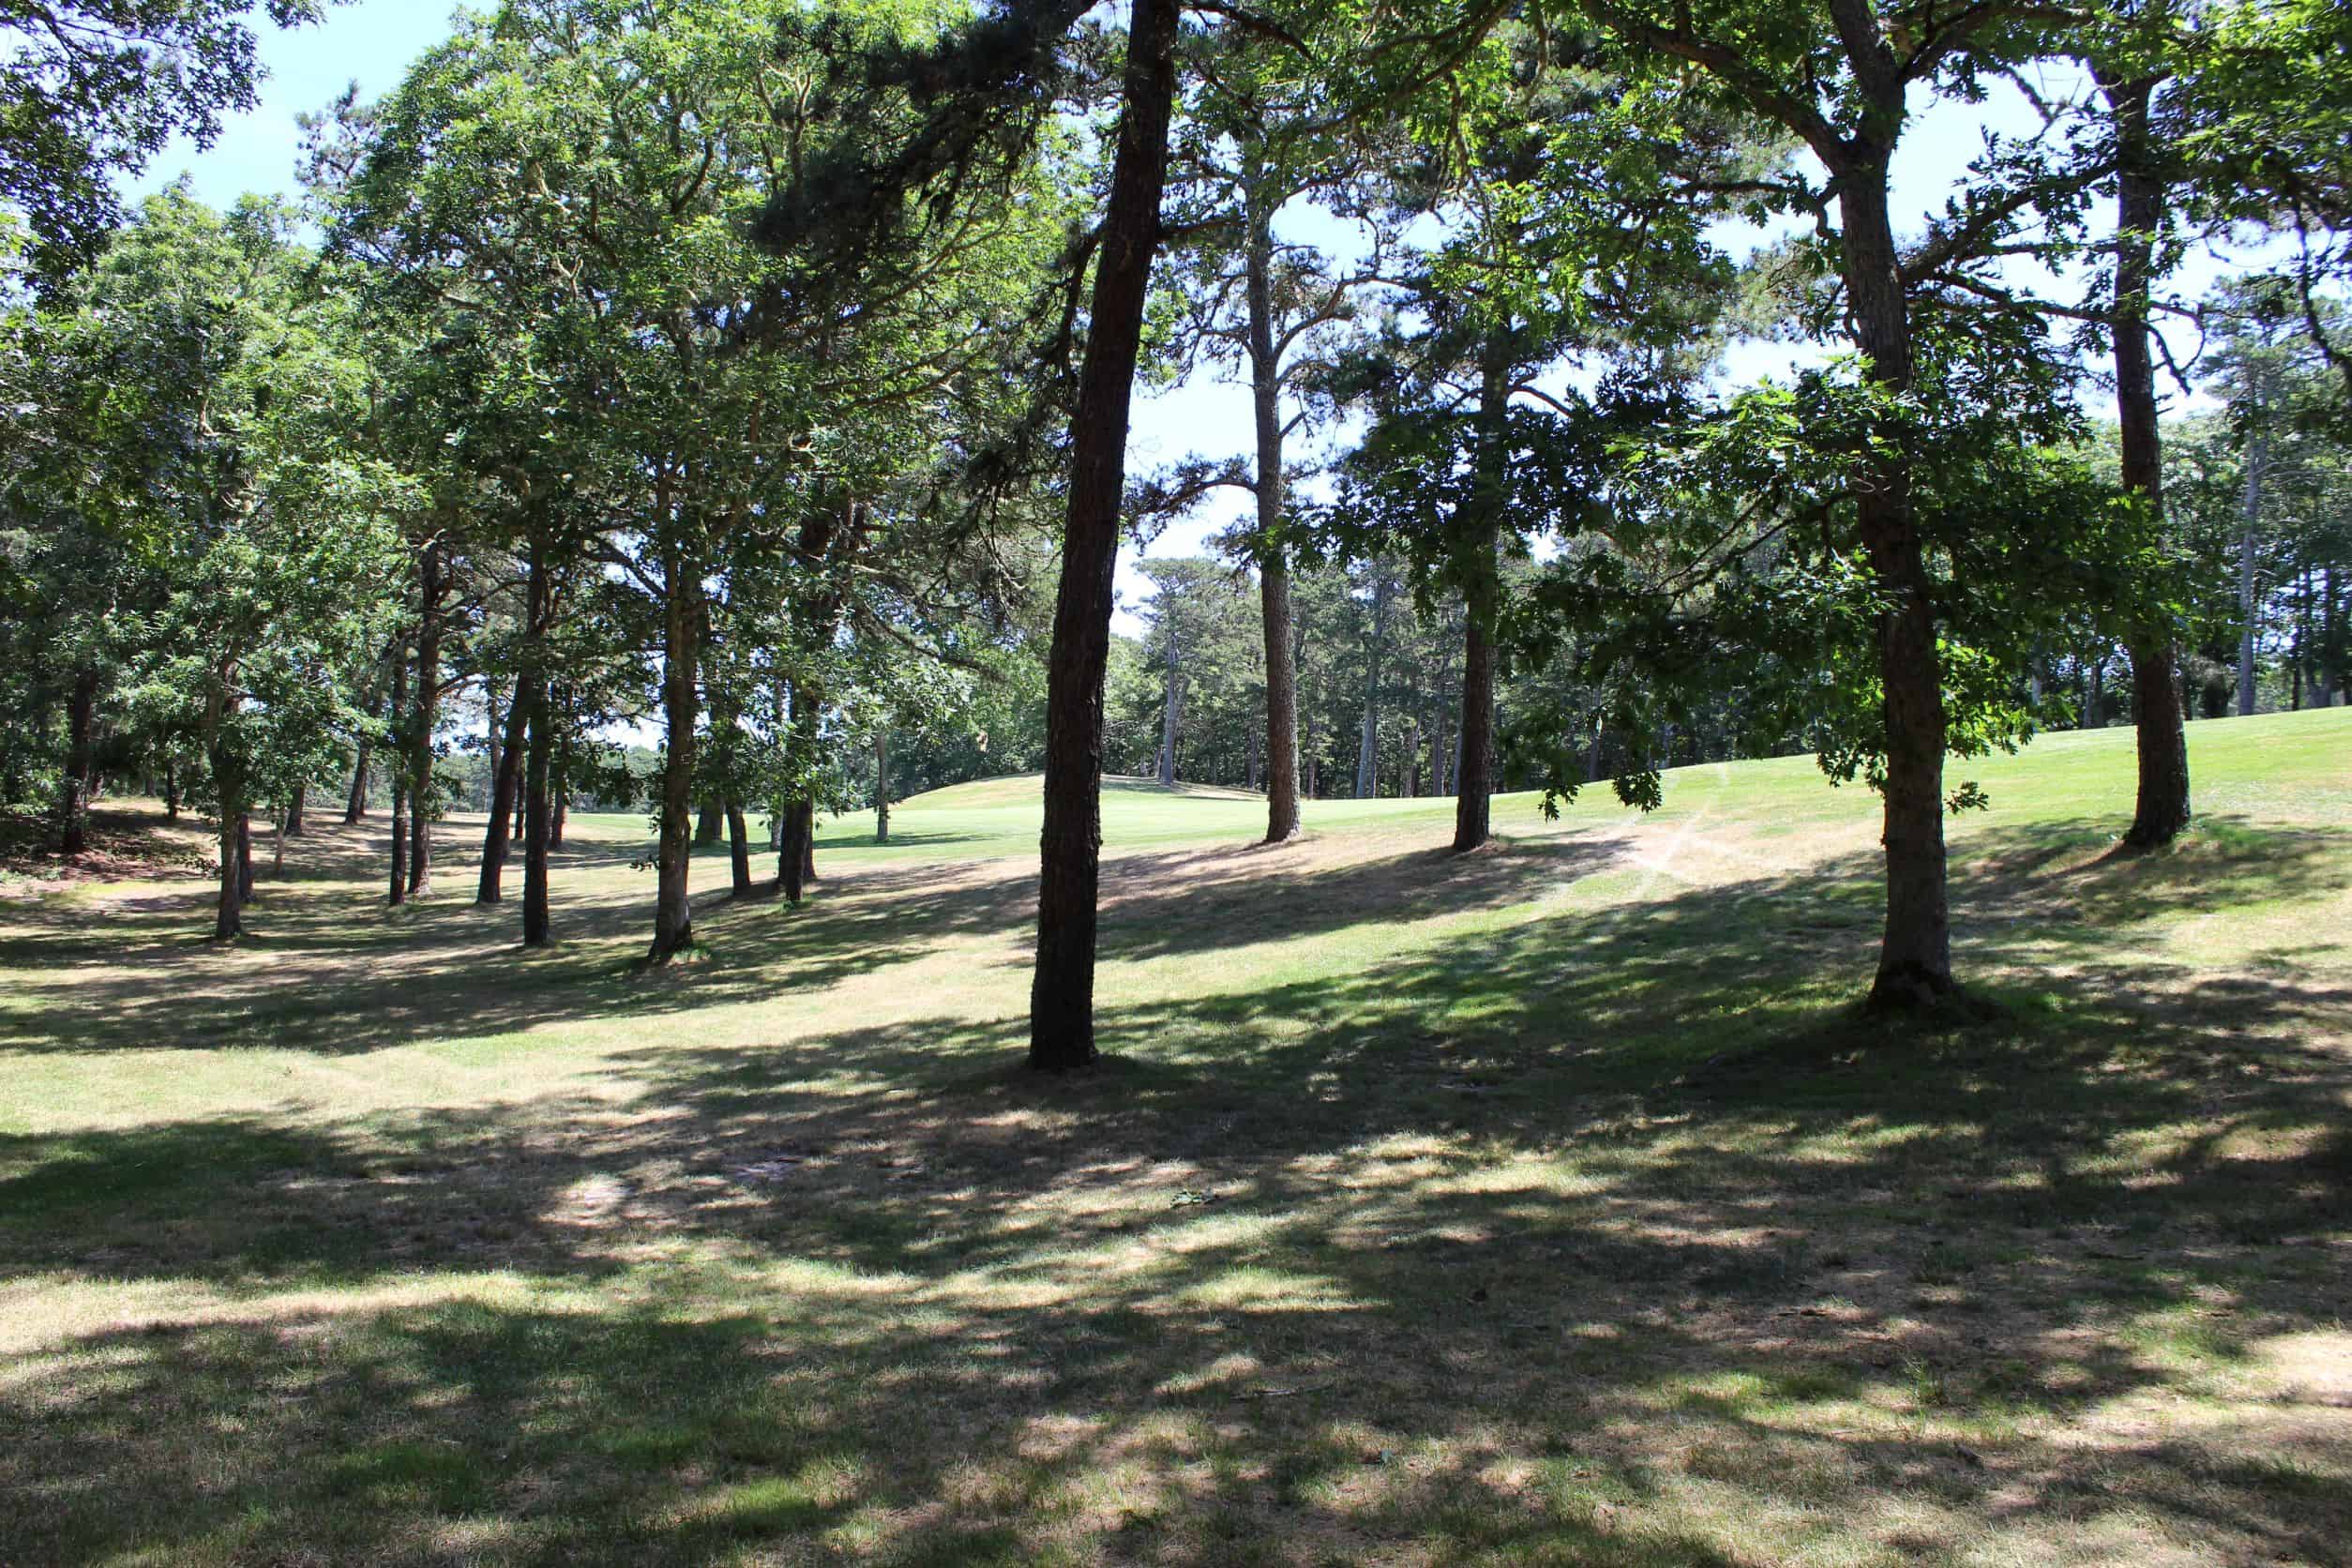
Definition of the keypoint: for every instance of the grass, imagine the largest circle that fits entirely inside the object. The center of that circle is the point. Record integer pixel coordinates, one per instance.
(1545, 1205)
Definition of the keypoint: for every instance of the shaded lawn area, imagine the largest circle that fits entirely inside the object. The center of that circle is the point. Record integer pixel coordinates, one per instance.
(1545, 1206)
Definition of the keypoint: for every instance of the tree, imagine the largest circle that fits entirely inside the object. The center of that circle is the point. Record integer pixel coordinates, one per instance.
(92, 89)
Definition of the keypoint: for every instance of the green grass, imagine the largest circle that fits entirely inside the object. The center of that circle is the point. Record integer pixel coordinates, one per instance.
(1547, 1205)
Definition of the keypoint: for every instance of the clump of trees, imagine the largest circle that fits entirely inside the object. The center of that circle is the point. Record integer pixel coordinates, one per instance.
(719, 408)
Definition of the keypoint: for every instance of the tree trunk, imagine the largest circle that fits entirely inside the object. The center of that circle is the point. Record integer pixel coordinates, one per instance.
(229, 918)
(1915, 949)
(245, 855)
(171, 791)
(301, 798)
(739, 847)
(355, 807)
(1171, 696)
(400, 776)
(433, 583)
(1369, 741)
(2257, 459)
(1061, 994)
(1273, 549)
(2163, 806)
(710, 823)
(881, 786)
(73, 790)
(674, 908)
(561, 813)
(1474, 784)
(505, 786)
(531, 698)
(799, 852)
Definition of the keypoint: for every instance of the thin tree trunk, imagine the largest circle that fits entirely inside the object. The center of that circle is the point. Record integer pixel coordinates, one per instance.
(2162, 806)
(355, 807)
(562, 813)
(401, 775)
(2257, 459)
(881, 786)
(1368, 740)
(505, 787)
(171, 791)
(1273, 551)
(229, 918)
(539, 718)
(245, 855)
(1061, 994)
(1172, 695)
(674, 908)
(1915, 949)
(1474, 784)
(73, 790)
(433, 583)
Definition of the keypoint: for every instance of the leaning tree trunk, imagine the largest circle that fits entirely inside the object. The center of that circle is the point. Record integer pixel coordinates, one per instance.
(1915, 949)
(674, 908)
(355, 807)
(1474, 783)
(505, 784)
(1274, 555)
(73, 790)
(432, 581)
(2163, 808)
(1062, 995)
(400, 776)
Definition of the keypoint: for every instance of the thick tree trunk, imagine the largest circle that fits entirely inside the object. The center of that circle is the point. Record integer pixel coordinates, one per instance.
(538, 717)
(1273, 553)
(881, 786)
(229, 912)
(505, 786)
(433, 583)
(295, 826)
(2162, 807)
(674, 908)
(559, 815)
(73, 789)
(739, 848)
(1474, 785)
(709, 824)
(1061, 994)
(400, 776)
(793, 861)
(1915, 949)
(356, 806)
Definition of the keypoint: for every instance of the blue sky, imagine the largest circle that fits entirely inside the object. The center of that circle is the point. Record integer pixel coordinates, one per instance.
(372, 41)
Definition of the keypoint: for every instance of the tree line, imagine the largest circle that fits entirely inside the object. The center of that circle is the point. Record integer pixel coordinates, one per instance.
(754, 381)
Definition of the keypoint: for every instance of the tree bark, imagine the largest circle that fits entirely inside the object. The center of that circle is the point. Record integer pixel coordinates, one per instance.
(1273, 554)
(2163, 806)
(739, 848)
(1915, 948)
(506, 785)
(1061, 994)
(301, 798)
(531, 698)
(433, 584)
(73, 790)
(674, 908)
(355, 807)
(881, 786)
(1482, 594)
(799, 852)
(245, 855)
(710, 823)
(229, 912)
(400, 776)
(171, 791)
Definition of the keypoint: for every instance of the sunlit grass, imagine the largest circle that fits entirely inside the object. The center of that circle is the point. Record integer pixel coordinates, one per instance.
(1547, 1205)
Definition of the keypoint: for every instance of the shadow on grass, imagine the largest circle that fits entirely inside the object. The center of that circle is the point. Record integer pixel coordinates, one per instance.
(1607, 1239)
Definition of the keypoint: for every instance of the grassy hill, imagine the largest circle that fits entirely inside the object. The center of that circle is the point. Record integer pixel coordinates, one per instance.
(1548, 1204)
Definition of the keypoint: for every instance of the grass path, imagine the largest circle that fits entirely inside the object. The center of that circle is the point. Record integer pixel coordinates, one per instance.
(1544, 1205)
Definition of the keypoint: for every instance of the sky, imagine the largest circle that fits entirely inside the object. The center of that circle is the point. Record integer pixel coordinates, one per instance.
(371, 42)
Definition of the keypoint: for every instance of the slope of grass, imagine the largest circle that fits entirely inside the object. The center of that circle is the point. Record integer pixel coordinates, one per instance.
(1545, 1205)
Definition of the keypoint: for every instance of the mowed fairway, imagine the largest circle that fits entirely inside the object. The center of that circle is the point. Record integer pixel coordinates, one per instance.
(1548, 1205)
